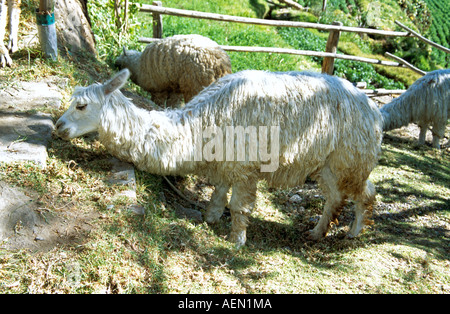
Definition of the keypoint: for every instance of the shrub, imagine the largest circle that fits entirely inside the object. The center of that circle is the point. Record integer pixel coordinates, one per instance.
(110, 39)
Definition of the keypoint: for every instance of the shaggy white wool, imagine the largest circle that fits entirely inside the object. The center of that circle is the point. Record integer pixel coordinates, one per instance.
(328, 130)
(180, 64)
(426, 102)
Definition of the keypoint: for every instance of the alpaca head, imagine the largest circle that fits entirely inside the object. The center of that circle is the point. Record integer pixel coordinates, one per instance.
(127, 59)
(83, 115)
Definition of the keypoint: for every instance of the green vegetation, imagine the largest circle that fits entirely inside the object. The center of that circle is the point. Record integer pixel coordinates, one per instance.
(430, 17)
(439, 31)
(353, 71)
(380, 14)
(404, 252)
(233, 34)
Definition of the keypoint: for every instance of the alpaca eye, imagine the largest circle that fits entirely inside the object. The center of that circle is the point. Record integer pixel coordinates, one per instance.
(81, 107)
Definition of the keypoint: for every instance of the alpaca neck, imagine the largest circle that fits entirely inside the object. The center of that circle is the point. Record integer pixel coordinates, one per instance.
(154, 141)
(397, 113)
(133, 63)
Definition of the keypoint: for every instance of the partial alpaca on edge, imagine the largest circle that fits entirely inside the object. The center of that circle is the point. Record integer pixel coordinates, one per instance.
(426, 102)
(9, 16)
(182, 64)
(327, 130)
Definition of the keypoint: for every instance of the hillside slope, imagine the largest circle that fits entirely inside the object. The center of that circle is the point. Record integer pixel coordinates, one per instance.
(440, 29)
(361, 13)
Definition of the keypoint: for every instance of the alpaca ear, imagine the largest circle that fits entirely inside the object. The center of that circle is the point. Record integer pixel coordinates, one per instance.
(116, 82)
(124, 51)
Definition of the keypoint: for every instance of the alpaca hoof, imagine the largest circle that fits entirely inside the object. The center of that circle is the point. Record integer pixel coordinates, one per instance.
(238, 238)
(212, 216)
(357, 227)
(12, 46)
(352, 235)
(211, 219)
(5, 60)
(314, 235)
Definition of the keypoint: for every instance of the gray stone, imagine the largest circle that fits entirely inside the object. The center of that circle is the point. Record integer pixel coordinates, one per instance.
(27, 96)
(188, 213)
(24, 137)
(137, 209)
(17, 212)
(73, 28)
(295, 199)
(122, 173)
(25, 133)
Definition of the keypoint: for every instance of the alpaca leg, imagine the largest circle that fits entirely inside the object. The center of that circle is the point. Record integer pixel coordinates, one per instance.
(436, 142)
(187, 96)
(423, 134)
(160, 98)
(217, 204)
(14, 16)
(335, 202)
(438, 133)
(5, 60)
(3, 19)
(241, 205)
(363, 210)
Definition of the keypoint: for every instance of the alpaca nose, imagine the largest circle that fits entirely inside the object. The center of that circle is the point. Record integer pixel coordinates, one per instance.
(59, 125)
(60, 131)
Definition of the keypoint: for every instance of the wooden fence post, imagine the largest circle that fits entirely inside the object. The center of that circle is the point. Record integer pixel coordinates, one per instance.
(157, 22)
(332, 43)
(45, 19)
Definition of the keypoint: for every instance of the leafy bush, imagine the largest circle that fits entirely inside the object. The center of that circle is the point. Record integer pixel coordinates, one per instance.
(418, 12)
(110, 39)
(364, 72)
(303, 39)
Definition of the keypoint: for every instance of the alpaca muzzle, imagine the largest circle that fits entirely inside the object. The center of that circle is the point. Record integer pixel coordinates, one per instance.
(61, 131)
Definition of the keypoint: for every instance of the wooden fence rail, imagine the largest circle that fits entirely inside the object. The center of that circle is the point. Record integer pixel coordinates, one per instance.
(255, 21)
(335, 29)
(309, 53)
(425, 40)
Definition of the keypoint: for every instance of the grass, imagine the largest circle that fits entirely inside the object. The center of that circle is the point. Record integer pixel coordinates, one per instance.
(234, 34)
(251, 35)
(407, 250)
(111, 250)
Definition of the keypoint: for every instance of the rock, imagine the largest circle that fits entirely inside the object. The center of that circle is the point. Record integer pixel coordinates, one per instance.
(27, 96)
(122, 173)
(17, 212)
(24, 134)
(295, 199)
(137, 209)
(24, 137)
(188, 213)
(73, 27)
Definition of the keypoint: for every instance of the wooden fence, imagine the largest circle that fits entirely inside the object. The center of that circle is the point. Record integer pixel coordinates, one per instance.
(331, 47)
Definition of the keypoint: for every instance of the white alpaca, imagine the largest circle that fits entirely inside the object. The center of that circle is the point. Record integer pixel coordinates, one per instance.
(11, 17)
(426, 102)
(323, 127)
(180, 64)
